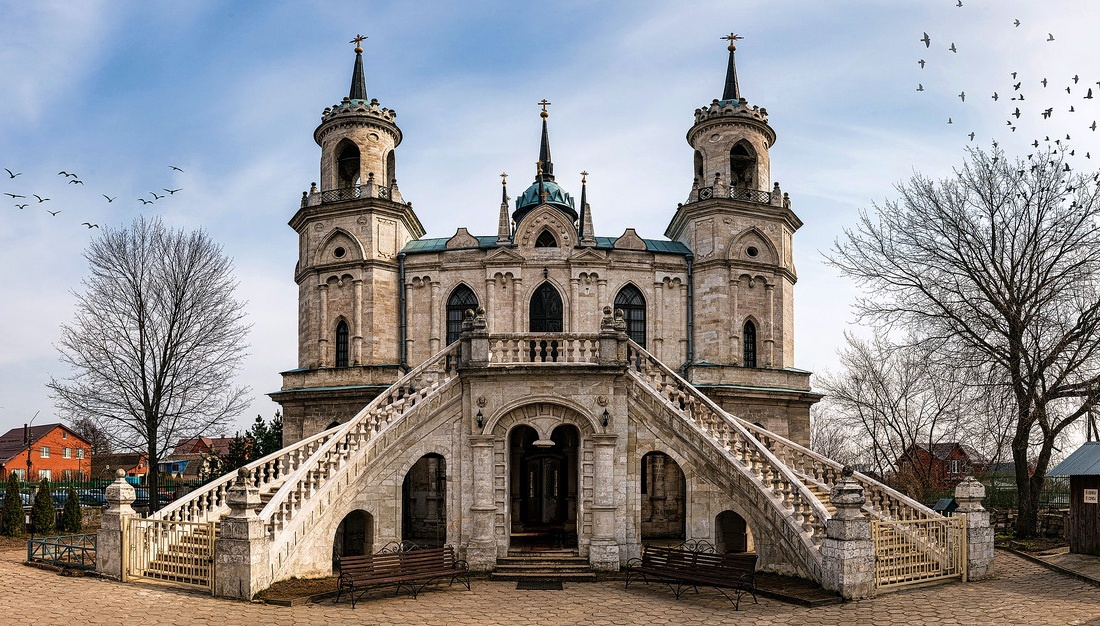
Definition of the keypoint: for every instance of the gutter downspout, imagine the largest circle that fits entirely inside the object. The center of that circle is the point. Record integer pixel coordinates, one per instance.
(690, 318)
(401, 313)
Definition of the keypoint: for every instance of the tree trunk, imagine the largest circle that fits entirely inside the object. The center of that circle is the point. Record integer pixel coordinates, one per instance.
(1027, 501)
(153, 483)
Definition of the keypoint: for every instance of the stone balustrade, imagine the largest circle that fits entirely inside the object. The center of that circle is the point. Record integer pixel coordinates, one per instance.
(544, 348)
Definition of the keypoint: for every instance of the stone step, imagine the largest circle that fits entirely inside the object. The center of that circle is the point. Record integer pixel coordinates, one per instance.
(569, 577)
(536, 559)
(547, 569)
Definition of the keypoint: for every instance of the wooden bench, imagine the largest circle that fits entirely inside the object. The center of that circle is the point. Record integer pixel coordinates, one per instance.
(404, 566)
(683, 568)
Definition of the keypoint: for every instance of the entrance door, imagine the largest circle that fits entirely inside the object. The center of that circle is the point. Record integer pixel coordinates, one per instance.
(543, 488)
(546, 310)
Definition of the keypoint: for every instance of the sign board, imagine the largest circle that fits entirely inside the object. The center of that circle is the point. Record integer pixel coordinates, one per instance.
(1091, 496)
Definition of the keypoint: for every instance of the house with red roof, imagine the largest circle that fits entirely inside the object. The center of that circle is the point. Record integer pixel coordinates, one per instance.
(55, 452)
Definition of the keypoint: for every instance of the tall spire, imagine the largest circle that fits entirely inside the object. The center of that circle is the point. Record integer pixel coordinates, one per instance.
(731, 92)
(544, 149)
(504, 226)
(586, 236)
(358, 83)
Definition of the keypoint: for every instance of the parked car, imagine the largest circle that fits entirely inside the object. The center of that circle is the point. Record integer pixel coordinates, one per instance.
(23, 496)
(88, 497)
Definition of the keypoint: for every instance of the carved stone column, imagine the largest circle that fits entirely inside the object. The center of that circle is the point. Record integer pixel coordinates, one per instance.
(481, 553)
(601, 290)
(322, 325)
(769, 289)
(433, 320)
(658, 341)
(490, 302)
(357, 315)
(979, 534)
(574, 305)
(241, 551)
(603, 553)
(518, 306)
(735, 318)
(848, 553)
(110, 543)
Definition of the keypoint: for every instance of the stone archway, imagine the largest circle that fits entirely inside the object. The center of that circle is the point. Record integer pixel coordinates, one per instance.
(423, 502)
(354, 536)
(732, 533)
(664, 499)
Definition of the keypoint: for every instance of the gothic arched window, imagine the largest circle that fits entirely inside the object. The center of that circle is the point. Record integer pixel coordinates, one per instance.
(632, 302)
(546, 240)
(342, 344)
(347, 164)
(748, 342)
(546, 310)
(743, 166)
(462, 298)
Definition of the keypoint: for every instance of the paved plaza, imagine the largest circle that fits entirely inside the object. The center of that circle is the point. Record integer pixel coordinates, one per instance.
(1021, 593)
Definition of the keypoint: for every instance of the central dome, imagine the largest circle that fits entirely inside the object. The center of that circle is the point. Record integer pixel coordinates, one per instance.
(555, 197)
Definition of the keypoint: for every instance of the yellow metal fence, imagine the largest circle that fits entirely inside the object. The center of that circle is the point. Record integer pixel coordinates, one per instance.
(175, 552)
(909, 552)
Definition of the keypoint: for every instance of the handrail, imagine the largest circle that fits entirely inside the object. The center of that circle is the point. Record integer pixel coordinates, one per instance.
(367, 190)
(352, 434)
(785, 486)
(221, 485)
(877, 494)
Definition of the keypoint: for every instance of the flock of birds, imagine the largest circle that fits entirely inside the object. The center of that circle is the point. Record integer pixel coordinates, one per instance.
(22, 201)
(1025, 104)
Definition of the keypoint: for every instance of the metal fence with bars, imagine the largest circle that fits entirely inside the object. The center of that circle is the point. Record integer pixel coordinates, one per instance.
(66, 550)
(909, 552)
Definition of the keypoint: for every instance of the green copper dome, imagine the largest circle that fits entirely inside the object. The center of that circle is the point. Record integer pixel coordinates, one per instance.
(555, 196)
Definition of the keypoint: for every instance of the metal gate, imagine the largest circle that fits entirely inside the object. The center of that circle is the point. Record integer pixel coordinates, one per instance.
(175, 552)
(909, 552)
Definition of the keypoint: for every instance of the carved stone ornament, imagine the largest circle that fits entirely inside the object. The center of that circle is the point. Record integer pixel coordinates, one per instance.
(481, 401)
(601, 400)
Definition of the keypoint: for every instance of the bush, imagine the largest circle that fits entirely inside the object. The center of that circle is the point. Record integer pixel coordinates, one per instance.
(43, 514)
(71, 517)
(12, 523)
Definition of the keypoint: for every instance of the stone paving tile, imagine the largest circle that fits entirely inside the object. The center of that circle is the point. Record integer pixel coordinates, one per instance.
(1022, 593)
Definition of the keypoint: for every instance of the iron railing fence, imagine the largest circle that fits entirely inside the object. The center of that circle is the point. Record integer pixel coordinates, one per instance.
(77, 551)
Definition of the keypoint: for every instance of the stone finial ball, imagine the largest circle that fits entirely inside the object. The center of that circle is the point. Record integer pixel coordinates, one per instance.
(120, 473)
(243, 473)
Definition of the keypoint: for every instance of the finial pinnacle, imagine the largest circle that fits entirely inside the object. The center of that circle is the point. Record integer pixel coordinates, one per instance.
(584, 177)
(504, 178)
(538, 164)
(731, 38)
(358, 40)
(545, 114)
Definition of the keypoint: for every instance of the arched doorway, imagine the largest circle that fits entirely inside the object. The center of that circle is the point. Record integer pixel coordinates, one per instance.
(732, 534)
(664, 505)
(354, 536)
(423, 504)
(543, 487)
(546, 310)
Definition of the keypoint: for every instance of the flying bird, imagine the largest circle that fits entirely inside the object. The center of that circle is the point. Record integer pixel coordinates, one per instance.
(927, 40)
(12, 174)
(76, 182)
(1071, 109)
(144, 201)
(920, 87)
(1044, 81)
(960, 3)
(89, 225)
(995, 96)
(1017, 112)
(1067, 89)
(952, 48)
(1050, 37)
(40, 198)
(54, 213)
(962, 96)
(14, 196)
(949, 121)
(1093, 127)
(173, 190)
(1076, 78)
(1016, 23)
(155, 196)
(1016, 87)
(1088, 96)
(921, 63)
(971, 135)
(175, 168)
(62, 173)
(109, 199)
(21, 206)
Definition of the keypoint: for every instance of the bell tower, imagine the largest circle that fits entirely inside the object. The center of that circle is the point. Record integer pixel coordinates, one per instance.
(351, 231)
(739, 227)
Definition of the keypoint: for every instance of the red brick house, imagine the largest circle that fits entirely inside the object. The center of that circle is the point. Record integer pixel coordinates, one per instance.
(203, 445)
(943, 465)
(133, 463)
(56, 453)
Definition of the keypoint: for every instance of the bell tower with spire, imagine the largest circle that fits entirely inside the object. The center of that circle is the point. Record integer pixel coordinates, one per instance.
(351, 230)
(739, 226)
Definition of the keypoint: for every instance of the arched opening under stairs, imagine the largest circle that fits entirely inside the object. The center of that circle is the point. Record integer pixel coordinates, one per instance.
(543, 487)
(423, 502)
(732, 533)
(354, 536)
(664, 501)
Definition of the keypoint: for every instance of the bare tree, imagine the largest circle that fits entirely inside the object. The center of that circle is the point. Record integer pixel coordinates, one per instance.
(156, 341)
(894, 400)
(998, 265)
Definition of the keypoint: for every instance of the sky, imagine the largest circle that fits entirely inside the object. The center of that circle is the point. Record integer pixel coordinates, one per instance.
(117, 92)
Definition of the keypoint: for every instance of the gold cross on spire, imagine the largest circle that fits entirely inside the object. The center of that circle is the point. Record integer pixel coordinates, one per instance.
(358, 41)
(544, 104)
(584, 177)
(732, 38)
(504, 178)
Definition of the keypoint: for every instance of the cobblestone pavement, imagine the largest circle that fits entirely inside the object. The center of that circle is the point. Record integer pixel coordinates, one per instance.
(1022, 593)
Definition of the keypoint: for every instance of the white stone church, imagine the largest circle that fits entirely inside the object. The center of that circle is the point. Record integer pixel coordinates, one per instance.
(545, 387)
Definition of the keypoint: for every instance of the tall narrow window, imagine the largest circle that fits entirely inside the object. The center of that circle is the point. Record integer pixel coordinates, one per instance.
(546, 240)
(742, 166)
(462, 299)
(546, 310)
(347, 164)
(342, 344)
(749, 343)
(632, 303)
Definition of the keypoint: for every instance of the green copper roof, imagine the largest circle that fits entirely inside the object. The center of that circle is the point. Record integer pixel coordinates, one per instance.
(602, 243)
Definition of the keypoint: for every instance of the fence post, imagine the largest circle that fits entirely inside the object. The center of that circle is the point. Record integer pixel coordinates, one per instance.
(110, 540)
(241, 551)
(848, 553)
(979, 534)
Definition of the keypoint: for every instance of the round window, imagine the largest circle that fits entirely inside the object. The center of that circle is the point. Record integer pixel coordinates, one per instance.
(340, 252)
(752, 251)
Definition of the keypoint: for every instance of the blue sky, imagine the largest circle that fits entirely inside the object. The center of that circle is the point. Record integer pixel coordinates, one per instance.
(231, 92)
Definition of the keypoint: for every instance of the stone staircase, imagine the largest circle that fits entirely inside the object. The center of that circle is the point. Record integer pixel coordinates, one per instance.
(187, 560)
(563, 565)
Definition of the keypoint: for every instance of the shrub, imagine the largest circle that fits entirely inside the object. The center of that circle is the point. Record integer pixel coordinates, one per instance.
(71, 517)
(43, 514)
(12, 523)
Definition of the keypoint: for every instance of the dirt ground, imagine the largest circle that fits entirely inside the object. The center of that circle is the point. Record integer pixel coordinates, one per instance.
(297, 588)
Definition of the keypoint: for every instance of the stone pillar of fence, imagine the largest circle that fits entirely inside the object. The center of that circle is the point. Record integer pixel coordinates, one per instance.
(109, 557)
(979, 533)
(848, 553)
(241, 552)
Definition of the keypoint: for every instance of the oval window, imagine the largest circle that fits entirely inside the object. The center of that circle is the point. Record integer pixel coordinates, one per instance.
(752, 251)
(339, 252)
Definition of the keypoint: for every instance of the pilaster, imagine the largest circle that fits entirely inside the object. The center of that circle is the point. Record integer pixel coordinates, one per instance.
(603, 552)
(481, 553)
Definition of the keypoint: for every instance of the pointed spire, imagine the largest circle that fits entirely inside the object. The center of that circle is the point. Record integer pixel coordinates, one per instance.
(587, 236)
(542, 188)
(358, 83)
(731, 92)
(504, 224)
(544, 149)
